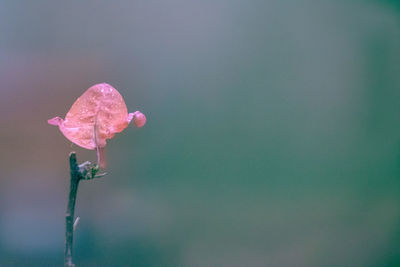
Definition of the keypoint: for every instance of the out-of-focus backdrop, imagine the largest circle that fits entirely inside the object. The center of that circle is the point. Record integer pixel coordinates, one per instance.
(273, 134)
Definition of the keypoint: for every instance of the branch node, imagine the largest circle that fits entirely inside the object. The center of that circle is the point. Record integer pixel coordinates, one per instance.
(76, 222)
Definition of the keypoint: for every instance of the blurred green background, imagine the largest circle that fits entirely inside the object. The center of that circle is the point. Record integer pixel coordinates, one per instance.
(273, 135)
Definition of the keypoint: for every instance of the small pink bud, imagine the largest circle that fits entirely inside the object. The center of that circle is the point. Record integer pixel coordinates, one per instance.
(139, 119)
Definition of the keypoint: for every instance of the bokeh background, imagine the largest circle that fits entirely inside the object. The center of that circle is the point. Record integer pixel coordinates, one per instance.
(273, 135)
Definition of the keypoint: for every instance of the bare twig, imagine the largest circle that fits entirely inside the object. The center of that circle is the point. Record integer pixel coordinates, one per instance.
(69, 216)
(85, 171)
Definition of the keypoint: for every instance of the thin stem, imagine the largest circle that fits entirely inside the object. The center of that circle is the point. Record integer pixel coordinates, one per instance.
(85, 171)
(76, 176)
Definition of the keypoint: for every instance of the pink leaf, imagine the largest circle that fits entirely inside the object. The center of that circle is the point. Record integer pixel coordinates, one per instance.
(96, 116)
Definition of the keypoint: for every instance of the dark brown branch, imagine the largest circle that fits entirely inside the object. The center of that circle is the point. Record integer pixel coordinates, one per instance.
(76, 176)
(85, 171)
